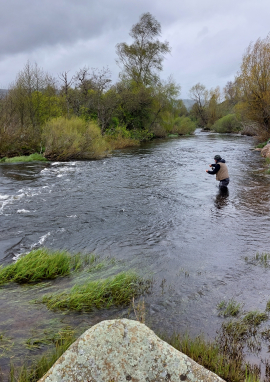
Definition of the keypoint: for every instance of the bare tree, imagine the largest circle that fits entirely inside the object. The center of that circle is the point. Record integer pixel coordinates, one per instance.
(66, 86)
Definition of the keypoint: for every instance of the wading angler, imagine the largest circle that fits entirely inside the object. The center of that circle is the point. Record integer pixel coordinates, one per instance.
(221, 170)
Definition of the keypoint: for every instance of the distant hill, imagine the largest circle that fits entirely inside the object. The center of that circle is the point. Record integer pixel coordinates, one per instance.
(3, 91)
(188, 103)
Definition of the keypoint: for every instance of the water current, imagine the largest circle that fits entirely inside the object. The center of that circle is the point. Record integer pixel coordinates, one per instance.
(156, 208)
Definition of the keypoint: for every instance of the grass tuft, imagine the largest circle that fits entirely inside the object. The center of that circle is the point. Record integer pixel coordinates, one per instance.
(38, 265)
(229, 309)
(262, 259)
(117, 290)
(255, 318)
(40, 367)
(212, 357)
(44, 264)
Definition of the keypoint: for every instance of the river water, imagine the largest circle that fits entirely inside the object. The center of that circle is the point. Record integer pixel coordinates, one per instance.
(156, 208)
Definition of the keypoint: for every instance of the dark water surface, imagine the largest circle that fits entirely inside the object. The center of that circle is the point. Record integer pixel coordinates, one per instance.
(155, 207)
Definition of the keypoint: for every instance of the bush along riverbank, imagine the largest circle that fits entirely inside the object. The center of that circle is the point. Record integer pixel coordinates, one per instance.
(42, 292)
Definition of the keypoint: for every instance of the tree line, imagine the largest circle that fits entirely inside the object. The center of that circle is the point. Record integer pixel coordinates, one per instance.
(244, 103)
(86, 115)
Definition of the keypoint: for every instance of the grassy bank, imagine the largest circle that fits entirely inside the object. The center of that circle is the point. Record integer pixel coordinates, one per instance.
(26, 158)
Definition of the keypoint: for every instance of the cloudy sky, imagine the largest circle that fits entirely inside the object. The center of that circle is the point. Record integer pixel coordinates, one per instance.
(207, 37)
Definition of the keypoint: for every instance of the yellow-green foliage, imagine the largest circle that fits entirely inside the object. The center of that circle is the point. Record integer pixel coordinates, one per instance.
(183, 126)
(73, 138)
(171, 125)
(227, 124)
(121, 138)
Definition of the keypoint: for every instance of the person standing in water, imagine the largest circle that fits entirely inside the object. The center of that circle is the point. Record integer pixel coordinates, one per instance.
(221, 171)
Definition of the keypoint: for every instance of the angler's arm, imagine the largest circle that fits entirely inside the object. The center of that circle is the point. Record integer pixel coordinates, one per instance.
(215, 170)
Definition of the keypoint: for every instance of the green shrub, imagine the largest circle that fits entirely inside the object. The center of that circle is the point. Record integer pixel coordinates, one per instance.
(73, 139)
(227, 124)
(183, 126)
(119, 137)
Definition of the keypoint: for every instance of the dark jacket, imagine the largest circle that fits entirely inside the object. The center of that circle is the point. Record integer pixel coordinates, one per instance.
(216, 167)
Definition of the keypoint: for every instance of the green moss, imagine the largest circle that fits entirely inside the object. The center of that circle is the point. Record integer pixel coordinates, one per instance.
(117, 290)
(28, 158)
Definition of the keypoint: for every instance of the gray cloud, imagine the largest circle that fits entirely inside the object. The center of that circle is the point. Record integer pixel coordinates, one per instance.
(207, 38)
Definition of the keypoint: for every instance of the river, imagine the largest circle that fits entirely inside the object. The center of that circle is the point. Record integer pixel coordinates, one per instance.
(155, 207)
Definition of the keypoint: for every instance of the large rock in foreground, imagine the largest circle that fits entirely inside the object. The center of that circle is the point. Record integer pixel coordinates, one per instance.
(124, 350)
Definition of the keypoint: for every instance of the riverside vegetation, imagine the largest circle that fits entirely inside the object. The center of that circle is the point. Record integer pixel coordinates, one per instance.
(240, 330)
(85, 116)
(86, 282)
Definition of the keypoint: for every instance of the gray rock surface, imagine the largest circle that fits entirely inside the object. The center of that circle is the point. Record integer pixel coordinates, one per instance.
(124, 350)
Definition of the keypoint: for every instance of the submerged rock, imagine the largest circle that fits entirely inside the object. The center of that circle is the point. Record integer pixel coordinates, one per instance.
(124, 350)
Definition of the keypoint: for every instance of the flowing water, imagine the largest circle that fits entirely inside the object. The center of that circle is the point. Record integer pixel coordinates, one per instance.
(156, 208)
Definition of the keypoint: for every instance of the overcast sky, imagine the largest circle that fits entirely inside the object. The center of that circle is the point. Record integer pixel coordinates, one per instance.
(207, 37)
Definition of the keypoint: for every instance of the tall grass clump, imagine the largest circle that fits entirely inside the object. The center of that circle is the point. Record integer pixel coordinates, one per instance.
(227, 124)
(73, 138)
(45, 264)
(25, 158)
(229, 308)
(261, 259)
(40, 264)
(210, 355)
(40, 367)
(117, 290)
